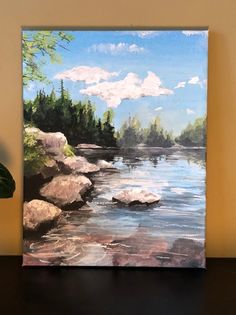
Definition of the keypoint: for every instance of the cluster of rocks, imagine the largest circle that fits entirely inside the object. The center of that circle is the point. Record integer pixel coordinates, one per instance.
(68, 183)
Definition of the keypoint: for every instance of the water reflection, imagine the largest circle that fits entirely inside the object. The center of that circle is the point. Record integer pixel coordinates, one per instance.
(166, 234)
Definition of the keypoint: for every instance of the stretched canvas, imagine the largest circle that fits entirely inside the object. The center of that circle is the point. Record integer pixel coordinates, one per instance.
(114, 147)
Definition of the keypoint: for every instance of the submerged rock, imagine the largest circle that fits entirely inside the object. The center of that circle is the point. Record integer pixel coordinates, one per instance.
(136, 197)
(78, 164)
(187, 253)
(66, 189)
(37, 213)
(102, 164)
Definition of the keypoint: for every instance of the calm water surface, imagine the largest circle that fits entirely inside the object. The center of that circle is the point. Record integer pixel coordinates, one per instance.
(178, 176)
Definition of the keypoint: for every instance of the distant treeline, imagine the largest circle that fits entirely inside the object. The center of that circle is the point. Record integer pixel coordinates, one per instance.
(132, 134)
(194, 135)
(76, 121)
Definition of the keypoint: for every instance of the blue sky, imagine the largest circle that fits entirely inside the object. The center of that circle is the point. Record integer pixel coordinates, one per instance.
(142, 73)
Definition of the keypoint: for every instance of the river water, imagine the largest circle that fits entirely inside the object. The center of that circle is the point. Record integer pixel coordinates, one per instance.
(112, 234)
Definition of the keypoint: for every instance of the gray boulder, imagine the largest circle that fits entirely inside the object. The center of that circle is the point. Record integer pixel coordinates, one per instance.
(50, 168)
(136, 197)
(65, 190)
(38, 213)
(53, 143)
(102, 164)
(78, 164)
(88, 146)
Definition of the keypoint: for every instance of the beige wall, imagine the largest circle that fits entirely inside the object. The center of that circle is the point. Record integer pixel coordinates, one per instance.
(219, 15)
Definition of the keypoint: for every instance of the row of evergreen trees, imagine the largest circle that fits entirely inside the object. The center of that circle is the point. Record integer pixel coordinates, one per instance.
(194, 134)
(76, 121)
(132, 134)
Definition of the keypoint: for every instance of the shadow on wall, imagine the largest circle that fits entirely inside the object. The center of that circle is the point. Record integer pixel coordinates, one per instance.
(4, 155)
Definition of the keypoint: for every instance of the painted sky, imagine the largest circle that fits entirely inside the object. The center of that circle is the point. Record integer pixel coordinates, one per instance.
(142, 73)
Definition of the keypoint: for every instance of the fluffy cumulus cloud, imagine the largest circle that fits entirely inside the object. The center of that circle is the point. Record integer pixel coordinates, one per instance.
(190, 111)
(89, 75)
(131, 87)
(180, 85)
(192, 33)
(115, 49)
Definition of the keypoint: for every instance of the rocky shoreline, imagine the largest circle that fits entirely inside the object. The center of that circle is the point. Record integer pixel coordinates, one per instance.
(68, 182)
(63, 183)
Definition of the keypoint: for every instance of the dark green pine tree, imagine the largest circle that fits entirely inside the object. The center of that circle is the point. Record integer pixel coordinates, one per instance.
(109, 130)
(99, 134)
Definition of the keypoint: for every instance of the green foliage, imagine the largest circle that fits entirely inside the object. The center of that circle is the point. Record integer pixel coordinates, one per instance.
(194, 134)
(7, 183)
(132, 134)
(157, 136)
(108, 131)
(76, 121)
(36, 46)
(34, 155)
(68, 150)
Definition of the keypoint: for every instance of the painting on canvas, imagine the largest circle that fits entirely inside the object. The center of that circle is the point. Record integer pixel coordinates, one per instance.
(114, 147)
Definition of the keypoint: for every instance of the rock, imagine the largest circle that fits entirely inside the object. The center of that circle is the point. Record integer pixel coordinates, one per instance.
(78, 164)
(186, 246)
(102, 164)
(66, 189)
(136, 197)
(49, 169)
(187, 253)
(38, 213)
(53, 142)
(88, 146)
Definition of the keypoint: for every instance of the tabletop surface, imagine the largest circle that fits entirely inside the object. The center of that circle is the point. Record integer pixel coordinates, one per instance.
(115, 291)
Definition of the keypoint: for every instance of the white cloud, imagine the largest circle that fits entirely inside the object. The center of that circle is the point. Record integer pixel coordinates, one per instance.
(204, 82)
(192, 33)
(115, 49)
(190, 111)
(131, 87)
(180, 85)
(142, 34)
(87, 74)
(158, 108)
(194, 80)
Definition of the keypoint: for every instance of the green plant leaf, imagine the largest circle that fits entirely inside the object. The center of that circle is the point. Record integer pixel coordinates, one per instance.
(7, 183)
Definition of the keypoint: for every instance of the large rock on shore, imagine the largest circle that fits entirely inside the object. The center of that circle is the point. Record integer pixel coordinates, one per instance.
(136, 197)
(88, 146)
(38, 213)
(78, 164)
(52, 142)
(50, 168)
(65, 190)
